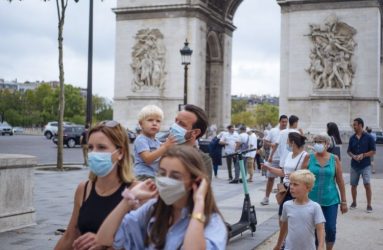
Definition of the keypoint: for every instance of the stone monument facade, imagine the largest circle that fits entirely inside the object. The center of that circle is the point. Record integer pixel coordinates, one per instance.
(148, 70)
(331, 62)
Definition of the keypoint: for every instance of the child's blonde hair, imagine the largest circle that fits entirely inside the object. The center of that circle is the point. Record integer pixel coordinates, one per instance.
(150, 110)
(303, 176)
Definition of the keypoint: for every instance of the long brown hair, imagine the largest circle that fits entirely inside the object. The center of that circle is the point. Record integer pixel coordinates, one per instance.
(192, 161)
(118, 136)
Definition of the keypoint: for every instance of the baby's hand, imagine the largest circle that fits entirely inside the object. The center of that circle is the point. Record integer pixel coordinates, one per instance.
(170, 141)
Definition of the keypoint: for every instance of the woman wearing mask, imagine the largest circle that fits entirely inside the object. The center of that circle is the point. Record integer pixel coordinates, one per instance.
(110, 165)
(295, 160)
(327, 169)
(184, 215)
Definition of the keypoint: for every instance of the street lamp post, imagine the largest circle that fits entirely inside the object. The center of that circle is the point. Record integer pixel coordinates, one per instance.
(89, 108)
(186, 53)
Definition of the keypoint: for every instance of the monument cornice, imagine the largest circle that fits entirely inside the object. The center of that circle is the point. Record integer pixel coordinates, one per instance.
(162, 98)
(335, 97)
(307, 5)
(172, 11)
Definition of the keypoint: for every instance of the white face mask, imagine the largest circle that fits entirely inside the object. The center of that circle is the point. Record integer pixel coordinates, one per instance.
(319, 147)
(170, 190)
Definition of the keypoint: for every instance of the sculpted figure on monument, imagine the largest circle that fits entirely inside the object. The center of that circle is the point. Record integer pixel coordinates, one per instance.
(148, 60)
(330, 59)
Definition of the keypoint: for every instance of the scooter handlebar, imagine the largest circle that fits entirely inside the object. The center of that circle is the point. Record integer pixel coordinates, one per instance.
(240, 152)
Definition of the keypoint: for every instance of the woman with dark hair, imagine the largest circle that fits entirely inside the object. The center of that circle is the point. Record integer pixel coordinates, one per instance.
(335, 140)
(296, 159)
(184, 216)
(333, 131)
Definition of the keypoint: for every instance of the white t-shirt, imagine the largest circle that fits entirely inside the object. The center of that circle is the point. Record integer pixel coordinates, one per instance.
(245, 139)
(272, 136)
(302, 220)
(252, 144)
(232, 140)
(282, 144)
(291, 163)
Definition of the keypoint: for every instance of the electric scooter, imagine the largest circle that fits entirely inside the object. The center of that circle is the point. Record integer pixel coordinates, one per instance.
(248, 220)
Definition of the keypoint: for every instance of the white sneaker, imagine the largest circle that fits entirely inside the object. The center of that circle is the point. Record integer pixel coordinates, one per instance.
(265, 201)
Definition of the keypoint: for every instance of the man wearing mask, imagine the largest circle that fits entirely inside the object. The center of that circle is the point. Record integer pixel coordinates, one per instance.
(190, 125)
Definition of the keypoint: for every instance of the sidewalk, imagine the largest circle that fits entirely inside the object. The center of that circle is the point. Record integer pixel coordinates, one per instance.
(54, 193)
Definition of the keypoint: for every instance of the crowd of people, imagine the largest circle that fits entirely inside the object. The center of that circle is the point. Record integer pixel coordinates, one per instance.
(160, 197)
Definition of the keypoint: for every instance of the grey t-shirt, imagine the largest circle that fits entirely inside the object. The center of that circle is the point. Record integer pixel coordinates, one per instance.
(142, 144)
(301, 220)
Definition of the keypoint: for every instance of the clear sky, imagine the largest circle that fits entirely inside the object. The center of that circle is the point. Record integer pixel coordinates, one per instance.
(28, 44)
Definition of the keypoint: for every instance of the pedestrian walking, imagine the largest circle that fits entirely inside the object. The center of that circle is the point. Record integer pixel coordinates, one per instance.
(301, 217)
(327, 169)
(361, 147)
(271, 140)
(230, 140)
(84, 144)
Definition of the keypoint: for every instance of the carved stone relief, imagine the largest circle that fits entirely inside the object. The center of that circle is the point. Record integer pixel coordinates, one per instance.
(331, 64)
(148, 60)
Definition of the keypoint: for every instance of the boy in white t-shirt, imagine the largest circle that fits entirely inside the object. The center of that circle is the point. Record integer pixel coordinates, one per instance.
(301, 217)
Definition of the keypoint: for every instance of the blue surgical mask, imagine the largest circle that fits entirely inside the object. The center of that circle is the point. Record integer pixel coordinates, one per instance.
(318, 147)
(100, 163)
(178, 133)
(289, 148)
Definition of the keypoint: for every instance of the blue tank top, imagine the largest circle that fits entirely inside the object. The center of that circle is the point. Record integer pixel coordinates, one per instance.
(96, 208)
(325, 191)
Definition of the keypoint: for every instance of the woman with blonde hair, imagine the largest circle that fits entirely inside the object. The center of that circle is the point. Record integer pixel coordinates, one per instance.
(110, 172)
(184, 215)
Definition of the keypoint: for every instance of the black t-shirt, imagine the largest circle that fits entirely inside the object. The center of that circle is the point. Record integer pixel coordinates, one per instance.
(84, 136)
(96, 208)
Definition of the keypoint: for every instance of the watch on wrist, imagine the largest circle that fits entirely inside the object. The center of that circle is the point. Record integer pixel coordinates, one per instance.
(199, 217)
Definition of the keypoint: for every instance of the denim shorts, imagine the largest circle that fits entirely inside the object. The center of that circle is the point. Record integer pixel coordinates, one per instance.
(274, 164)
(356, 173)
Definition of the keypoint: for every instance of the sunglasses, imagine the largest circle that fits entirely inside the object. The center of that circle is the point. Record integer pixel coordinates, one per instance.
(110, 123)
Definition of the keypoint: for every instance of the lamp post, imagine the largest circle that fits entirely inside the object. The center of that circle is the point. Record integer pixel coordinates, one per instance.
(90, 58)
(186, 53)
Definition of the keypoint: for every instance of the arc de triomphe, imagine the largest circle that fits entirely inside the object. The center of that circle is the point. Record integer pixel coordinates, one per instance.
(330, 59)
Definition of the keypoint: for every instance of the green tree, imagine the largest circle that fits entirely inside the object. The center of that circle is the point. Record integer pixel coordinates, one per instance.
(265, 114)
(246, 118)
(238, 105)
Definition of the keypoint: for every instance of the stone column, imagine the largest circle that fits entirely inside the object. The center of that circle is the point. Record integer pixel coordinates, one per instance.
(16, 191)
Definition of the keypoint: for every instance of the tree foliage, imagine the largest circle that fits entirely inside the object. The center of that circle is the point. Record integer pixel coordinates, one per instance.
(37, 107)
(259, 116)
(238, 105)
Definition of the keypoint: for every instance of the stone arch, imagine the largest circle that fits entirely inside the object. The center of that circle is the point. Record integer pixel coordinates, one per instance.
(213, 83)
(231, 8)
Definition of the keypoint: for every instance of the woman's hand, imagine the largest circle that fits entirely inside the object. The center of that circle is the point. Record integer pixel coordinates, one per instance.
(85, 242)
(200, 189)
(145, 190)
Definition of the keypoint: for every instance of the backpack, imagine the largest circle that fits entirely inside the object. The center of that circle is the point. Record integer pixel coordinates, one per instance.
(259, 144)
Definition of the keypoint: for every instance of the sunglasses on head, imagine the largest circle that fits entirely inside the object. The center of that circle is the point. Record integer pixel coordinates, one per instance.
(110, 123)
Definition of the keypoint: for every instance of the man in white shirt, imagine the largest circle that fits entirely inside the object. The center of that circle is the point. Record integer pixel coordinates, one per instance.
(231, 141)
(271, 140)
(251, 155)
(281, 145)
